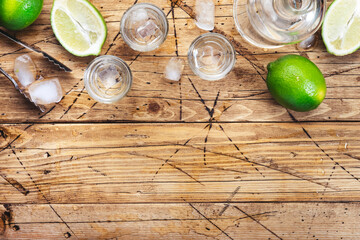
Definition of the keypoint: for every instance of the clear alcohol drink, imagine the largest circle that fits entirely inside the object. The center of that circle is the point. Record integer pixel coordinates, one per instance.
(274, 23)
(144, 27)
(211, 56)
(107, 79)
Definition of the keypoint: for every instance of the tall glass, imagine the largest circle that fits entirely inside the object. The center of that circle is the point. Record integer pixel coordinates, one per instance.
(274, 23)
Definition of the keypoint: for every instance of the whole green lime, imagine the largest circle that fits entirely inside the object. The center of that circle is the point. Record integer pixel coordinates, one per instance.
(296, 83)
(19, 14)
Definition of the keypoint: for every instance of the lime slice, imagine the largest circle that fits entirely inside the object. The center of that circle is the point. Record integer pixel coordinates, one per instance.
(78, 26)
(341, 28)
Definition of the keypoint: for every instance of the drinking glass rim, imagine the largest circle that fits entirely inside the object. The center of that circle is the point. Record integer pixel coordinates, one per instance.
(199, 73)
(87, 79)
(157, 10)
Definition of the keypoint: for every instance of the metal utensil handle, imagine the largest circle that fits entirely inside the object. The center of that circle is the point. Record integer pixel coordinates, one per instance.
(18, 41)
(10, 78)
(35, 49)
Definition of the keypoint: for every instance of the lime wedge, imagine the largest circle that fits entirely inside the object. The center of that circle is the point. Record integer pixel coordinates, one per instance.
(341, 27)
(78, 26)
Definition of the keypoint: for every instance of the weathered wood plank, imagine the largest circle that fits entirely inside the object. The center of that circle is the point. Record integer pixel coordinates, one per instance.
(185, 221)
(81, 174)
(115, 163)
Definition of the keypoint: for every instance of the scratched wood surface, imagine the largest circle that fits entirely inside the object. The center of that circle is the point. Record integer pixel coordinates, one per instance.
(178, 160)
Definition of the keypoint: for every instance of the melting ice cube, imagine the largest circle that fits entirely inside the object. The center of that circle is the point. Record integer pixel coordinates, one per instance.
(147, 30)
(174, 69)
(25, 70)
(109, 76)
(46, 91)
(205, 14)
(209, 57)
(139, 15)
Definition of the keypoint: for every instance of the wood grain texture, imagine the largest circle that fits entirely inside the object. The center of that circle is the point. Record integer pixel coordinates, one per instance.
(130, 163)
(178, 160)
(188, 221)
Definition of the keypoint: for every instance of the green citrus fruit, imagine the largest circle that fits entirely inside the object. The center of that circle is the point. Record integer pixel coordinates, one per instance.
(296, 83)
(341, 27)
(78, 26)
(19, 14)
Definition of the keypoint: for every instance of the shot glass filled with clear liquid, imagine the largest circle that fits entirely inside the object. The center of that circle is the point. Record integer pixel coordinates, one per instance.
(211, 56)
(144, 27)
(274, 23)
(107, 79)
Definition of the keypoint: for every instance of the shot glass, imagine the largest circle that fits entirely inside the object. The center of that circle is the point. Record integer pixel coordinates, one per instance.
(107, 79)
(211, 56)
(144, 27)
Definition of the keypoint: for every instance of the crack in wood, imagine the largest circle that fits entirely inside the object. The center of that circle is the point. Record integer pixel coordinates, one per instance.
(258, 222)
(136, 57)
(9, 144)
(238, 149)
(73, 103)
(167, 161)
(211, 118)
(177, 55)
(18, 186)
(207, 219)
(340, 72)
(39, 190)
(227, 204)
(83, 114)
(352, 156)
(227, 170)
(112, 43)
(205, 142)
(322, 150)
(49, 111)
(201, 99)
(272, 167)
(311, 224)
(331, 158)
(97, 171)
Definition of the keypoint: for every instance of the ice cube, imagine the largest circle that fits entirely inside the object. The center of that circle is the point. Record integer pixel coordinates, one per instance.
(209, 57)
(174, 69)
(205, 14)
(25, 70)
(139, 15)
(109, 76)
(147, 30)
(46, 91)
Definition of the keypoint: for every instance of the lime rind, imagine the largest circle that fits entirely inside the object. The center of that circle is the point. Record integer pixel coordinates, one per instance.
(16, 15)
(94, 48)
(296, 83)
(341, 27)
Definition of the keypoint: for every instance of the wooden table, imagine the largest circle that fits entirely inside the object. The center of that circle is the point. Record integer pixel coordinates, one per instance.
(178, 160)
